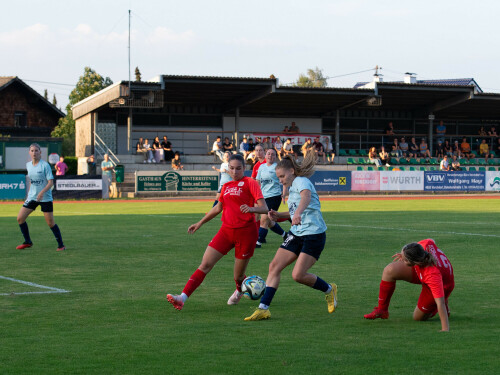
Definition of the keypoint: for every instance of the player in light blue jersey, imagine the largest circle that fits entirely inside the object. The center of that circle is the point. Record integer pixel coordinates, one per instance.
(273, 194)
(306, 239)
(40, 194)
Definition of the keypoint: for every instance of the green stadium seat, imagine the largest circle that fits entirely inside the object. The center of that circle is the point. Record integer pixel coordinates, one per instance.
(359, 168)
(482, 169)
(492, 169)
(481, 161)
(381, 168)
(403, 161)
(362, 161)
(493, 153)
(353, 152)
(463, 161)
(413, 169)
(402, 169)
(413, 161)
(472, 169)
(394, 161)
(351, 161)
(474, 153)
(491, 162)
(342, 152)
(363, 153)
(370, 168)
(423, 161)
(422, 169)
(434, 161)
(432, 168)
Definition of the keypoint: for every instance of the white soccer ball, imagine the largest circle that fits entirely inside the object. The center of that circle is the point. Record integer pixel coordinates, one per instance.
(253, 286)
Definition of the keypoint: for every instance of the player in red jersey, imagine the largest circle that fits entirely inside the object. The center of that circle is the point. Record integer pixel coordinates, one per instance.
(261, 159)
(239, 200)
(419, 263)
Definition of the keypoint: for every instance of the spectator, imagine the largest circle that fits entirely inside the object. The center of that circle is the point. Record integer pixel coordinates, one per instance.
(447, 149)
(286, 130)
(107, 176)
(388, 133)
(455, 166)
(288, 148)
(306, 147)
(294, 128)
(155, 150)
(384, 156)
(498, 146)
(465, 149)
(267, 144)
(482, 132)
(424, 149)
(445, 165)
(319, 149)
(258, 141)
(149, 152)
(244, 148)
(440, 150)
(414, 149)
(492, 132)
(61, 167)
(403, 146)
(168, 153)
(396, 150)
(91, 166)
(456, 150)
(176, 162)
(441, 131)
(251, 145)
(278, 146)
(228, 146)
(330, 155)
(217, 148)
(372, 156)
(484, 150)
(139, 147)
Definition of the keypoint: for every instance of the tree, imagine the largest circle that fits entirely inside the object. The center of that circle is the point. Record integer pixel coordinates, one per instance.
(89, 83)
(137, 74)
(46, 95)
(314, 78)
(54, 100)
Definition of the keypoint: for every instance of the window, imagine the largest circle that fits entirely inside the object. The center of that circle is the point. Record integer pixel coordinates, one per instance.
(20, 119)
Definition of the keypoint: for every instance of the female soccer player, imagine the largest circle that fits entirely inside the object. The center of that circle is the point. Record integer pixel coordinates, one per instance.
(239, 200)
(306, 238)
(272, 191)
(260, 156)
(40, 194)
(419, 263)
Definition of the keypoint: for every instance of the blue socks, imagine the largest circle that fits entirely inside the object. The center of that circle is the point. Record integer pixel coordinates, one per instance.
(277, 229)
(321, 284)
(25, 231)
(57, 235)
(268, 296)
(262, 235)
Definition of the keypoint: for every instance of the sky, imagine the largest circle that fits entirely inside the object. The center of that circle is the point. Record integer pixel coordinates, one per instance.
(53, 40)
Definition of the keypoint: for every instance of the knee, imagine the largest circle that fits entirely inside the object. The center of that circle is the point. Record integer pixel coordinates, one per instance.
(205, 267)
(389, 270)
(20, 220)
(298, 276)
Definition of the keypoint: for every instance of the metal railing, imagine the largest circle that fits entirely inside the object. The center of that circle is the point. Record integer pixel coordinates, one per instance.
(102, 148)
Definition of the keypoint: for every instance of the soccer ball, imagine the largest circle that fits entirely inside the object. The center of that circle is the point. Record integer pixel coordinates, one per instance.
(253, 286)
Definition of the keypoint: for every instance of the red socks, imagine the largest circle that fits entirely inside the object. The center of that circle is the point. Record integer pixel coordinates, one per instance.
(385, 293)
(194, 282)
(238, 285)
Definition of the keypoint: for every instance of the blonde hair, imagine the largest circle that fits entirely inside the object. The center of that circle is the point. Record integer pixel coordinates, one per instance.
(304, 169)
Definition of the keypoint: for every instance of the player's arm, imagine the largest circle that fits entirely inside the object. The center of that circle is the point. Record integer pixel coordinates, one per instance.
(305, 199)
(47, 187)
(443, 314)
(259, 208)
(214, 211)
(278, 216)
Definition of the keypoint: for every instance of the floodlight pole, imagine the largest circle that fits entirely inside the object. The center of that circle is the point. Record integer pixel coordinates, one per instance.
(431, 141)
(129, 119)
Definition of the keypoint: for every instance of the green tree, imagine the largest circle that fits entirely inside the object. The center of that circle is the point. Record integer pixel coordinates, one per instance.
(89, 83)
(313, 78)
(54, 101)
(46, 95)
(137, 74)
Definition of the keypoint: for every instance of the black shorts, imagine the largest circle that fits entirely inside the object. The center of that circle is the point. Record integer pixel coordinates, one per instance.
(273, 203)
(46, 206)
(311, 244)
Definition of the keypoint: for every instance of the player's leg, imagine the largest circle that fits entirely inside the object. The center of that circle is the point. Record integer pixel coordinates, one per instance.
(23, 214)
(426, 306)
(392, 272)
(48, 214)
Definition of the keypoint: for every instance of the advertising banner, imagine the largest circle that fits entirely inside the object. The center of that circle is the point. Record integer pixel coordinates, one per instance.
(297, 138)
(149, 181)
(492, 181)
(454, 181)
(332, 180)
(77, 187)
(12, 186)
(365, 180)
(401, 181)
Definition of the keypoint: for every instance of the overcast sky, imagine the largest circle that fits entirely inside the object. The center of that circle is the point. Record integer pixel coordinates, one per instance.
(53, 40)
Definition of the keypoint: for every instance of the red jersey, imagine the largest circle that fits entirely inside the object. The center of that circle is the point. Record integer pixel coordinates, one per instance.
(256, 167)
(439, 277)
(233, 195)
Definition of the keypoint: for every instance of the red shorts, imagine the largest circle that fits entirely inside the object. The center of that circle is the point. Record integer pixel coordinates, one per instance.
(426, 302)
(242, 239)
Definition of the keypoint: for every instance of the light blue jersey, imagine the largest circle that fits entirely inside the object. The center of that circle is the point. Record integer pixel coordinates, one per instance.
(311, 220)
(106, 164)
(39, 176)
(269, 182)
(224, 176)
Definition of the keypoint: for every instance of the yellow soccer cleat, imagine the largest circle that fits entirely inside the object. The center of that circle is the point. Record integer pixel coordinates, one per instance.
(259, 314)
(331, 298)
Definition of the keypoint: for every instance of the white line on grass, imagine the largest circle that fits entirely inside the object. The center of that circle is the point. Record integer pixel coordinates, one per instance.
(415, 230)
(50, 289)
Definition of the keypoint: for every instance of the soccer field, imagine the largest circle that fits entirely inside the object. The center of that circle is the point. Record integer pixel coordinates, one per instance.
(107, 312)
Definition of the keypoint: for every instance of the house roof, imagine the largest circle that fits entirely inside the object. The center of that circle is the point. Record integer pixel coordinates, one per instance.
(445, 82)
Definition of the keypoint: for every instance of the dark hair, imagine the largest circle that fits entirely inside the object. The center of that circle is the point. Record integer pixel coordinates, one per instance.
(415, 254)
(237, 157)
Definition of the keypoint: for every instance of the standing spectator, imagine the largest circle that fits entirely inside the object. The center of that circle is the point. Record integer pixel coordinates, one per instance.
(372, 156)
(384, 156)
(278, 146)
(440, 150)
(306, 147)
(482, 132)
(330, 155)
(176, 162)
(61, 167)
(444, 165)
(424, 149)
(441, 131)
(414, 149)
(388, 133)
(465, 148)
(396, 150)
(447, 149)
(294, 128)
(228, 146)
(168, 153)
(139, 147)
(91, 166)
(319, 149)
(107, 176)
(288, 148)
(484, 150)
(217, 148)
(403, 146)
(244, 148)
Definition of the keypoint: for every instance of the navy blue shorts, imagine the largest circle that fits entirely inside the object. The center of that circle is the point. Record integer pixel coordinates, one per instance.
(46, 206)
(273, 203)
(310, 244)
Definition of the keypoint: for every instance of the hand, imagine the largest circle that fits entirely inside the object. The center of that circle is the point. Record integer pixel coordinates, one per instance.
(245, 209)
(193, 228)
(398, 257)
(296, 219)
(213, 167)
(39, 197)
(273, 215)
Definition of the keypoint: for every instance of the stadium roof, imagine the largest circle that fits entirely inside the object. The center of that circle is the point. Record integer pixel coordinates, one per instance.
(446, 82)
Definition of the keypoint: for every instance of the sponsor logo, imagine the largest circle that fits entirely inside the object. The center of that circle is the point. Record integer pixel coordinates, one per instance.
(233, 191)
(435, 178)
(12, 186)
(342, 181)
(241, 183)
(494, 181)
(78, 184)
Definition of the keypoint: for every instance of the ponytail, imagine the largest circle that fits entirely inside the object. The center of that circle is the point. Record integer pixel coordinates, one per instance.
(415, 254)
(304, 169)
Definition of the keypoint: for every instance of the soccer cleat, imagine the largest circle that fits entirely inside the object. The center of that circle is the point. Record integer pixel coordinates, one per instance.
(259, 314)
(377, 313)
(25, 245)
(235, 298)
(331, 298)
(176, 301)
(62, 248)
(258, 245)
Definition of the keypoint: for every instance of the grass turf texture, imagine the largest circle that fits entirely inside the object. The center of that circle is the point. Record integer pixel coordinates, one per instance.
(123, 258)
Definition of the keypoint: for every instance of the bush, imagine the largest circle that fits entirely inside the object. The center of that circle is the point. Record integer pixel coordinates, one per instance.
(72, 163)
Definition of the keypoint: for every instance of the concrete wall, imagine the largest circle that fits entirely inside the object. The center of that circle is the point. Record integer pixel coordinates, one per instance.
(83, 136)
(272, 125)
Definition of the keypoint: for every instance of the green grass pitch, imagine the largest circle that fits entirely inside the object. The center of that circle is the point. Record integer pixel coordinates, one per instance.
(123, 257)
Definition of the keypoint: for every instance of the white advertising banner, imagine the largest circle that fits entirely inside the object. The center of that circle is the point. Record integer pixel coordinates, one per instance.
(492, 181)
(401, 180)
(79, 184)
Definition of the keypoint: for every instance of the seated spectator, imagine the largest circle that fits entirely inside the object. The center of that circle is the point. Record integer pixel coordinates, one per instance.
(61, 167)
(91, 166)
(447, 148)
(288, 148)
(440, 150)
(484, 150)
(267, 144)
(444, 165)
(456, 150)
(414, 149)
(278, 146)
(405, 149)
(258, 141)
(424, 149)
(372, 156)
(286, 130)
(244, 148)
(492, 132)
(455, 166)
(330, 155)
(217, 148)
(251, 145)
(176, 162)
(139, 147)
(482, 132)
(149, 152)
(396, 150)
(294, 128)
(306, 147)
(319, 149)
(228, 146)
(384, 156)
(465, 149)
(168, 153)
(155, 151)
